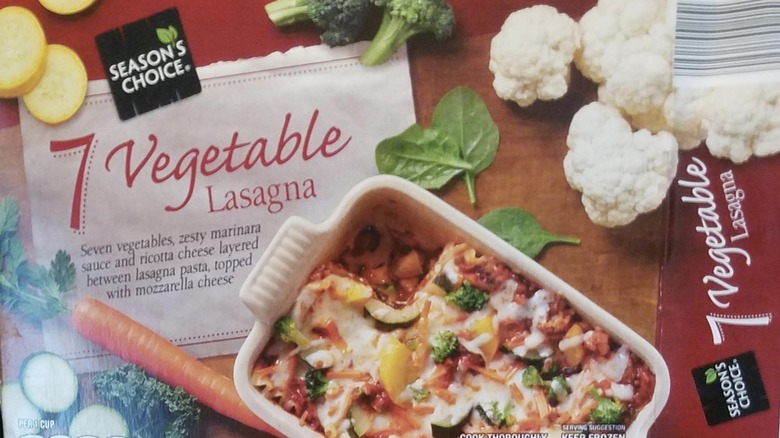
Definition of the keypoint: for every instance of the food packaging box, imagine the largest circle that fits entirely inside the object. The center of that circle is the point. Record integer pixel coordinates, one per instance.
(689, 286)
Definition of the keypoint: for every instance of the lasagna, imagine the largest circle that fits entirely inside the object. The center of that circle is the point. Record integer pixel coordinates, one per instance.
(391, 339)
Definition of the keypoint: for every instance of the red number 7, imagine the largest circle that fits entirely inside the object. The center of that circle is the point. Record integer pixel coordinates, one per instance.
(78, 191)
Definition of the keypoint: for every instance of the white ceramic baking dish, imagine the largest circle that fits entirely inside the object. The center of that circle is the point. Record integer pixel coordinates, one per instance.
(299, 246)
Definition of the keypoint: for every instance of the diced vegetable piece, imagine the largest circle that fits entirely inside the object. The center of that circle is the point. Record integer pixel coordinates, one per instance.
(287, 329)
(61, 90)
(16, 407)
(360, 419)
(494, 415)
(387, 314)
(574, 354)
(49, 382)
(22, 51)
(608, 410)
(395, 367)
(316, 384)
(484, 327)
(451, 419)
(468, 298)
(356, 293)
(99, 421)
(408, 265)
(66, 7)
(445, 345)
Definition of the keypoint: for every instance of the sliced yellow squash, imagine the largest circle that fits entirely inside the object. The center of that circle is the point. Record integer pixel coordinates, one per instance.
(484, 326)
(66, 7)
(61, 90)
(22, 51)
(395, 367)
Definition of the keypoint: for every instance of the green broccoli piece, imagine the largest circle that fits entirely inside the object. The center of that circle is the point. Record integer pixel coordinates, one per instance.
(556, 396)
(532, 378)
(403, 19)
(341, 21)
(608, 410)
(286, 328)
(316, 384)
(445, 346)
(467, 297)
(421, 394)
(494, 416)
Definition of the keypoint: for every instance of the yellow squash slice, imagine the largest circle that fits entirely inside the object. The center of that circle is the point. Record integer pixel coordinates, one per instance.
(22, 51)
(66, 7)
(61, 90)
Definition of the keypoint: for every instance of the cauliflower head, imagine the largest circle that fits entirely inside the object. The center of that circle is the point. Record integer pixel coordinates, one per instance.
(620, 173)
(612, 28)
(627, 48)
(742, 121)
(531, 56)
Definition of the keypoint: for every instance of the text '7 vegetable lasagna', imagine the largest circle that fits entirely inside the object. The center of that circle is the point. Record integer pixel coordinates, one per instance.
(391, 339)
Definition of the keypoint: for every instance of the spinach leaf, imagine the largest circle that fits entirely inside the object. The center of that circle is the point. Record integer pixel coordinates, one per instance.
(462, 140)
(522, 230)
(423, 156)
(463, 116)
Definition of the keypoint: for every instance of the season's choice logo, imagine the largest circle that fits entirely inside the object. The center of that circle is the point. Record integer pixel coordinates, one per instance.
(730, 388)
(148, 63)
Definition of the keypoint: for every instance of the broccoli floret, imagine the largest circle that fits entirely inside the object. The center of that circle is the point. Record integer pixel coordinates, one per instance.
(467, 297)
(341, 21)
(316, 384)
(421, 394)
(445, 346)
(557, 389)
(286, 328)
(494, 416)
(403, 19)
(608, 410)
(532, 378)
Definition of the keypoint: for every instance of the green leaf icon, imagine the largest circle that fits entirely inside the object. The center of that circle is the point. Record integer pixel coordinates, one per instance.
(167, 36)
(710, 376)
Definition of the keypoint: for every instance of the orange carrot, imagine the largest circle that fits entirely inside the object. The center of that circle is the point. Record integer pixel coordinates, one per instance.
(137, 344)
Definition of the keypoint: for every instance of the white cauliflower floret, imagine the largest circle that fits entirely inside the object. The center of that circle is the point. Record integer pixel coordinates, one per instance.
(531, 56)
(633, 64)
(621, 173)
(743, 121)
(684, 111)
(607, 27)
(638, 87)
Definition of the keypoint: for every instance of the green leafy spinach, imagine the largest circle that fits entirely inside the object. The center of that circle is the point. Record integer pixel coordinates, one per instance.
(462, 140)
(522, 230)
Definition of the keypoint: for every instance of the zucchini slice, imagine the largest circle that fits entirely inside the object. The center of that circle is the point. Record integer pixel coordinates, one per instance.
(66, 7)
(99, 421)
(383, 312)
(360, 419)
(62, 89)
(452, 419)
(49, 382)
(20, 417)
(22, 51)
